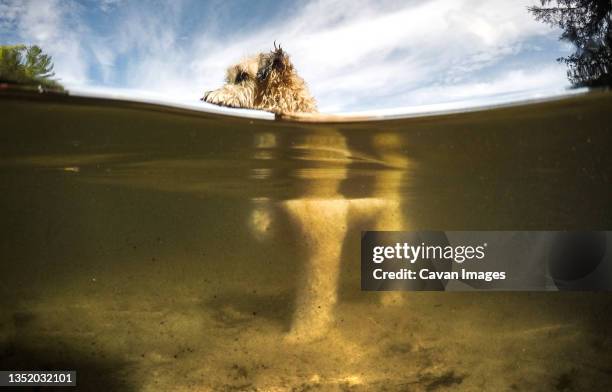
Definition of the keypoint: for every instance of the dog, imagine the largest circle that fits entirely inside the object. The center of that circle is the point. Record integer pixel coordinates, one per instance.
(267, 81)
(322, 214)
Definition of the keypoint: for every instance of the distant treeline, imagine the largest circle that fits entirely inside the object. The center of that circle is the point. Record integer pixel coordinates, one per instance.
(587, 24)
(27, 65)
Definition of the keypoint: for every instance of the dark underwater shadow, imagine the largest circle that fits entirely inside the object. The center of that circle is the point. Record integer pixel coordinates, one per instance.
(95, 372)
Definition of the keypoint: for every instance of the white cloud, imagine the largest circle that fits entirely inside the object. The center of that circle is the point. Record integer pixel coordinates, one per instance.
(353, 54)
(520, 81)
(108, 5)
(9, 14)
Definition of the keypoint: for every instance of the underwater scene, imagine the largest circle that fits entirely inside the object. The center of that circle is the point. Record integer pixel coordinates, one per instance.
(158, 248)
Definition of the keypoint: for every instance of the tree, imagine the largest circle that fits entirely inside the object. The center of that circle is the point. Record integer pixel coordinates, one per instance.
(27, 65)
(587, 25)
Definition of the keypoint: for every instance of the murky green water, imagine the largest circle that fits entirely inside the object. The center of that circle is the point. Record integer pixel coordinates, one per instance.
(160, 249)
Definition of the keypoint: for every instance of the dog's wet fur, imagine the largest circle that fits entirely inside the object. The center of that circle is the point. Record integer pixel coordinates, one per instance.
(266, 81)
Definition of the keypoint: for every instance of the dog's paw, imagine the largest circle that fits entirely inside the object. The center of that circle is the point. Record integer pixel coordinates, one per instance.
(260, 221)
(228, 97)
(214, 97)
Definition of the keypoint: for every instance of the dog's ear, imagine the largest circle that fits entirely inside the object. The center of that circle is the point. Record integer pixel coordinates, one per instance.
(264, 70)
(276, 61)
(280, 60)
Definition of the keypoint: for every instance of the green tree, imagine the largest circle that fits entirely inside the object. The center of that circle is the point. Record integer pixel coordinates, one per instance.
(27, 65)
(587, 24)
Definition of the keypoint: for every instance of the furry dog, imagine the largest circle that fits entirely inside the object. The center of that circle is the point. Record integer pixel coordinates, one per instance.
(323, 216)
(267, 81)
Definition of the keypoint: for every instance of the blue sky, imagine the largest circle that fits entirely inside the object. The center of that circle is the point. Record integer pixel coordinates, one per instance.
(355, 55)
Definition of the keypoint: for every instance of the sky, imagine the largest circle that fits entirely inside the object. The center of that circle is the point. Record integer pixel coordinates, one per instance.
(355, 55)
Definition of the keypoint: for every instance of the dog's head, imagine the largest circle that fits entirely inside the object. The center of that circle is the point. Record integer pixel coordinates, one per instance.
(274, 67)
(266, 81)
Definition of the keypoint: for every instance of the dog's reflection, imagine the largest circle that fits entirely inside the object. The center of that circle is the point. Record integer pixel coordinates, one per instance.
(323, 215)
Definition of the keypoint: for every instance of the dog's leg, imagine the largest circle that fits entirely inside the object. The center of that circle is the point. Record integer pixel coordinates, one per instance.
(320, 216)
(262, 214)
(387, 189)
(322, 225)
